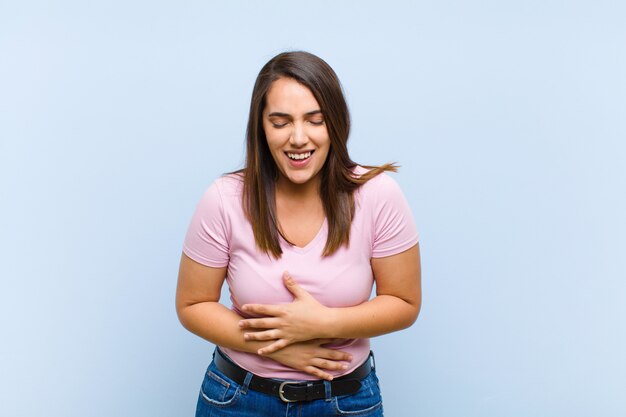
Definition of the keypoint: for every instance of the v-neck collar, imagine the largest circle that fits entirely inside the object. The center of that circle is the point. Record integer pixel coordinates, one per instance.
(321, 234)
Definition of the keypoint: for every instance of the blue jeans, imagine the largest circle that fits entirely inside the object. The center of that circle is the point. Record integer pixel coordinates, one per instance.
(221, 396)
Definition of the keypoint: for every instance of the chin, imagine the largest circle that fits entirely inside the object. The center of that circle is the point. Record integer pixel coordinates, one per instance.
(299, 180)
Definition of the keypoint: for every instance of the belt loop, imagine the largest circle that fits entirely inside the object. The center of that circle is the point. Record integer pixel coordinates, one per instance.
(373, 360)
(246, 383)
(328, 391)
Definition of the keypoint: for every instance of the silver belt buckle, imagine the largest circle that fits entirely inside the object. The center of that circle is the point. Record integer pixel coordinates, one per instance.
(281, 391)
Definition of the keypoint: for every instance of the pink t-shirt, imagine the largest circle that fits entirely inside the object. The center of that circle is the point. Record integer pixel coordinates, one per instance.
(220, 235)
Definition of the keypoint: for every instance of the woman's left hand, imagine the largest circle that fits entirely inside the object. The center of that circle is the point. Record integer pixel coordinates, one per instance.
(303, 319)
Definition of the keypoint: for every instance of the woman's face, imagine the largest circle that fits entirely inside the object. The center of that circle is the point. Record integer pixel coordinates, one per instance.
(296, 131)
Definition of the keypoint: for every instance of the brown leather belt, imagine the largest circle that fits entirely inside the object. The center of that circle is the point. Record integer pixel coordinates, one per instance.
(291, 391)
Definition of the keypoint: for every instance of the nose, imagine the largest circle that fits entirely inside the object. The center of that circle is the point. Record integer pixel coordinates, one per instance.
(298, 136)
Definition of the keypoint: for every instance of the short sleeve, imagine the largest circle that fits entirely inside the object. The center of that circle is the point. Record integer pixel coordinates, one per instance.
(394, 226)
(207, 240)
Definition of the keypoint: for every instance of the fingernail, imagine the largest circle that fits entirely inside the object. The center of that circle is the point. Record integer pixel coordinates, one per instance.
(241, 323)
(344, 366)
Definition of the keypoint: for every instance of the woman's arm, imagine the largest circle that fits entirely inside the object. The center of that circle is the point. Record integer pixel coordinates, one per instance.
(199, 311)
(395, 307)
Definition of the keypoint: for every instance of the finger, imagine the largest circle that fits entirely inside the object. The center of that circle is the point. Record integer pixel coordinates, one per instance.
(264, 323)
(335, 355)
(262, 309)
(265, 335)
(322, 341)
(293, 286)
(329, 365)
(334, 341)
(312, 370)
(271, 348)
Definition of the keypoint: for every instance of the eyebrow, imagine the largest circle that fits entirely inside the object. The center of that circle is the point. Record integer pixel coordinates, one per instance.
(279, 114)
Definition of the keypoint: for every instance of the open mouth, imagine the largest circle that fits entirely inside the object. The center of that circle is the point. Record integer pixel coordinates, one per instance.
(299, 156)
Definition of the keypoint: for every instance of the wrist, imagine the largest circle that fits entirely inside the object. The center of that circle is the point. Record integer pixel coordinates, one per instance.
(328, 328)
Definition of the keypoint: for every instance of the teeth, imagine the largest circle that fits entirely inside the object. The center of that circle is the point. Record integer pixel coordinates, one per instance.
(299, 156)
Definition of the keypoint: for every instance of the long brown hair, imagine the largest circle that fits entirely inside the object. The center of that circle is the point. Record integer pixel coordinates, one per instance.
(337, 179)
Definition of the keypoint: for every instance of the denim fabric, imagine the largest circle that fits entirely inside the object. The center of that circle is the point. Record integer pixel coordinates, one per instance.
(220, 396)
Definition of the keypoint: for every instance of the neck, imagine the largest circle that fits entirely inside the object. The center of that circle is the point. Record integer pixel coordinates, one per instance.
(308, 191)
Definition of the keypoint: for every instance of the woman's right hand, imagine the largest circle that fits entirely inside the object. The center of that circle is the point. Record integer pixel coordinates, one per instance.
(311, 357)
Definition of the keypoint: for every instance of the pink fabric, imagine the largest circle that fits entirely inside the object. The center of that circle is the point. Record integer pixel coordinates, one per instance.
(219, 235)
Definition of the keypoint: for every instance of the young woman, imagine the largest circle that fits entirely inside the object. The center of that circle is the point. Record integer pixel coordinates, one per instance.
(300, 234)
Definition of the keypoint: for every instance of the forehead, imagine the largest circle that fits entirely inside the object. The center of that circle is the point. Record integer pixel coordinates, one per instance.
(286, 95)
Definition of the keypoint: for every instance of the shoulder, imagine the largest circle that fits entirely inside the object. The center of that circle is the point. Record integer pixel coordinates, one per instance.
(229, 185)
(387, 213)
(380, 187)
(225, 189)
(223, 194)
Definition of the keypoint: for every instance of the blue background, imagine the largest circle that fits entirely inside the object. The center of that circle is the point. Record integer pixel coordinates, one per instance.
(508, 118)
